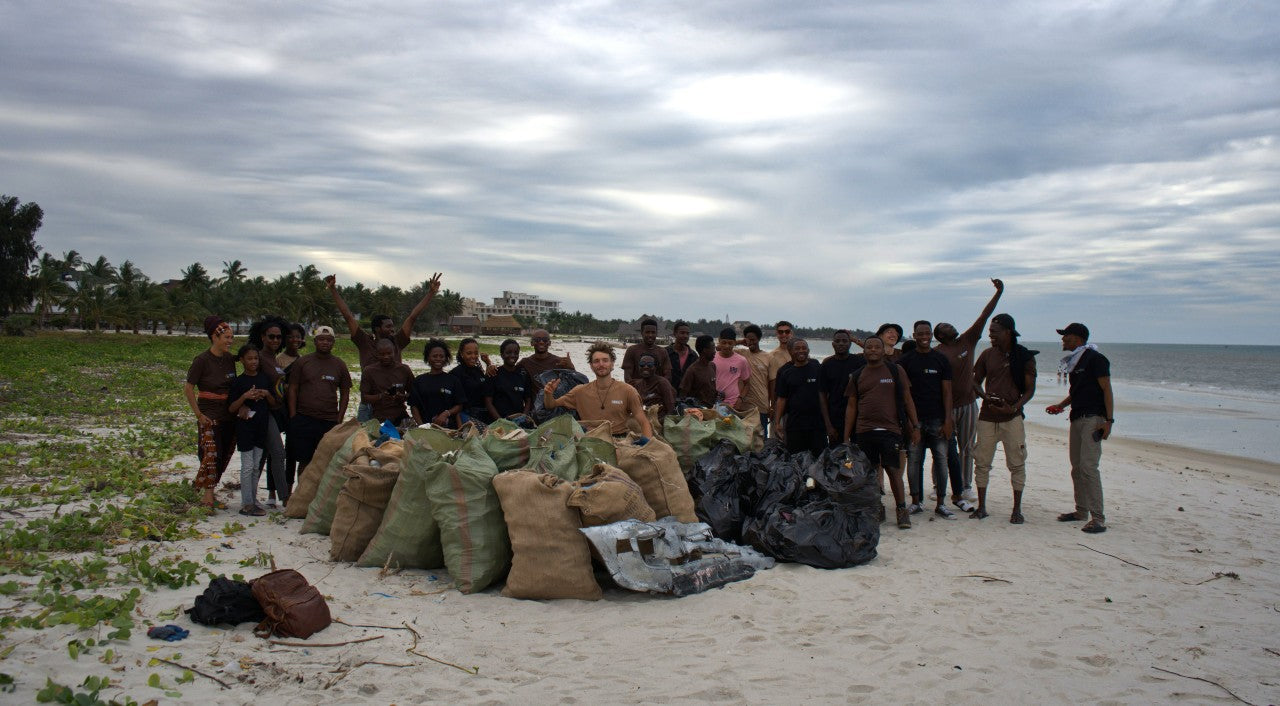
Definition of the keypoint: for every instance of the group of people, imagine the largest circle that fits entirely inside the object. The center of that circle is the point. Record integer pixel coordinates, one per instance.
(893, 402)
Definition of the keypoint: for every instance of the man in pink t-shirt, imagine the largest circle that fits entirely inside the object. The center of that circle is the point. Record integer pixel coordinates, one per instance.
(732, 370)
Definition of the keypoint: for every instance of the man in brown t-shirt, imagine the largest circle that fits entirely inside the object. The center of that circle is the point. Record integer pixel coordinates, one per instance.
(385, 385)
(319, 389)
(959, 349)
(876, 393)
(779, 357)
(1004, 377)
(648, 345)
(381, 326)
(542, 359)
(757, 392)
(605, 399)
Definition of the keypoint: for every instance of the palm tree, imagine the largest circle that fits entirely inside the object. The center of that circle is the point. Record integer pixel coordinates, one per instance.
(150, 304)
(48, 287)
(316, 306)
(101, 272)
(128, 279)
(195, 283)
(95, 304)
(233, 272)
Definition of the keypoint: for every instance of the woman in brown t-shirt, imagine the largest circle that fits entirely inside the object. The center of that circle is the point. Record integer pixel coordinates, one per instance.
(208, 380)
(616, 400)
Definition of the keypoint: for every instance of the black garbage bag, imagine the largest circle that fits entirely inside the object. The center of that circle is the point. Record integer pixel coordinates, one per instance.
(776, 479)
(846, 476)
(226, 602)
(568, 379)
(716, 484)
(821, 534)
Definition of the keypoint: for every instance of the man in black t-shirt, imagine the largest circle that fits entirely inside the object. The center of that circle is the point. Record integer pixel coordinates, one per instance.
(1092, 410)
(836, 370)
(802, 419)
(930, 375)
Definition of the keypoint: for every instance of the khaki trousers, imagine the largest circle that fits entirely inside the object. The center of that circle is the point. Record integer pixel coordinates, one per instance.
(1013, 438)
(1085, 476)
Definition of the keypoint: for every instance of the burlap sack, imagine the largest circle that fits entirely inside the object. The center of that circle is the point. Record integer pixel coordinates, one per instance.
(463, 502)
(656, 470)
(359, 510)
(389, 452)
(321, 510)
(550, 557)
(608, 495)
(408, 537)
(335, 451)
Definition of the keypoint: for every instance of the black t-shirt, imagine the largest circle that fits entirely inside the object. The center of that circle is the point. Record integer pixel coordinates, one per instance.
(433, 394)
(251, 433)
(510, 389)
(1086, 393)
(475, 386)
(800, 387)
(926, 371)
(835, 378)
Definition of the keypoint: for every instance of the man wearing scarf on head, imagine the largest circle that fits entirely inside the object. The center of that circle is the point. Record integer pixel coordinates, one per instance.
(1092, 407)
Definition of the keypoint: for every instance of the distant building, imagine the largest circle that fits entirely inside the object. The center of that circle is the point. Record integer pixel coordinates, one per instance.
(464, 324)
(510, 304)
(500, 325)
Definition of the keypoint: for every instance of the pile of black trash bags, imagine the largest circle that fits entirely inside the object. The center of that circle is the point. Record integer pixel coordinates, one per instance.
(817, 511)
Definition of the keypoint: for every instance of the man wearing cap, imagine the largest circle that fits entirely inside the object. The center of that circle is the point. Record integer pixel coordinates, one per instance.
(1004, 378)
(319, 389)
(1092, 407)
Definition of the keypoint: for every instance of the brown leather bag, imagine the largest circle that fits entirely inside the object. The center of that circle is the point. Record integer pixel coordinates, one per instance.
(294, 608)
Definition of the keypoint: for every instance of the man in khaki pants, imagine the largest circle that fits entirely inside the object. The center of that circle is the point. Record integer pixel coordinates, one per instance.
(1008, 370)
(1092, 410)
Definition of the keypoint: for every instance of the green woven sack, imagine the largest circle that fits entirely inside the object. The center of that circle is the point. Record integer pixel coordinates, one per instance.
(473, 532)
(408, 537)
(693, 438)
(434, 438)
(507, 444)
(336, 448)
(591, 451)
(560, 460)
(557, 431)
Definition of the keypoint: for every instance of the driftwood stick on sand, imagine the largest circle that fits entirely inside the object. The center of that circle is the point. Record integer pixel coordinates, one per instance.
(1207, 681)
(1113, 556)
(194, 670)
(984, 577)
(282, 643)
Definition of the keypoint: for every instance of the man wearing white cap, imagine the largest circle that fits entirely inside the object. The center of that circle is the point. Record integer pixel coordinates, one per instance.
(1092, 410)
(319, 389)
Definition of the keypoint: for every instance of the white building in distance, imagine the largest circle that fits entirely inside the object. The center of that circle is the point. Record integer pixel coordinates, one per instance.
(511, 303)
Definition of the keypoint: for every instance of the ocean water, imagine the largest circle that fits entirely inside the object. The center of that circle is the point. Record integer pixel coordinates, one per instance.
(1219, 398)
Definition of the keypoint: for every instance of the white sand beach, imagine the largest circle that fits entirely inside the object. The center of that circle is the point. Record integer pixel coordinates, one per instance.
(963, 611)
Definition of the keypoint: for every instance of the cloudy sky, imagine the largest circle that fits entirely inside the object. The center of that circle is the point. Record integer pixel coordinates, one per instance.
(832, 163)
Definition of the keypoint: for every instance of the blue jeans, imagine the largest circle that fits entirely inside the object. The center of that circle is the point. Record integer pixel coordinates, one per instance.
(931, 438)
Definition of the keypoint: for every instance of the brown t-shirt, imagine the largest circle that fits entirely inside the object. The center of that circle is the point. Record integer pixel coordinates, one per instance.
(367, 346)
(960, 353)
(376, 379)
(699, 382)
(319, 379)
(877, 398)
(536, 367)
(631, 361)
(756, 393)
(778, 357)
(269, 366)
(993, 366)
(656, 390)
(612, 403)
(213, 373)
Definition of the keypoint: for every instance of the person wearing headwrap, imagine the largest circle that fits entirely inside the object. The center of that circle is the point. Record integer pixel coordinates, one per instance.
(208, 382)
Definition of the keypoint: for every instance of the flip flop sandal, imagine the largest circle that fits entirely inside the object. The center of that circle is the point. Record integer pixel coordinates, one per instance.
(978, 514)
(965, 505)
(1016, 518)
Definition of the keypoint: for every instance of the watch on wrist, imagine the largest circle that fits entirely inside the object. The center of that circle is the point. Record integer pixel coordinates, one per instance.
(1111, 420)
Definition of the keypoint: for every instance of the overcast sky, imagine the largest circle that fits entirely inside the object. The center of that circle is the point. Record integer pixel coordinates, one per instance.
(831, 163)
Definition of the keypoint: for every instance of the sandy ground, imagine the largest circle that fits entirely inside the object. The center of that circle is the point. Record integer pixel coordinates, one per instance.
(965, 611)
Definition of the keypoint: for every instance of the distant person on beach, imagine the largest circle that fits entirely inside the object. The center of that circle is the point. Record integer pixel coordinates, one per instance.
(1008, 370)
(879, 397)
(384, 386)
(542, 360)
(513, 389)
(252, 397)
(207, 389)
(959, 348)
(436, 396)
(930, 376)
(679, 353)
(801, 417)
(1092, 414)
(732, 371)
(654, 389)
(605, 399)
(756, 393)
(779, 357)
(648, 344)
(700, 379)
(319, 391)
(836, 369)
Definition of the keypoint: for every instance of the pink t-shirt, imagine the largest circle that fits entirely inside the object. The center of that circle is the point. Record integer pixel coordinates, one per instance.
(728, 372)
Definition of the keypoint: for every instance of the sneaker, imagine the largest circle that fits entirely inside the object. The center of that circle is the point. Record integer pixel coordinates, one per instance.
(904, 518)
(1069, 517)
(915, 508)
(1093, 527)
(944, 513)
(271, 503)
(970, 494)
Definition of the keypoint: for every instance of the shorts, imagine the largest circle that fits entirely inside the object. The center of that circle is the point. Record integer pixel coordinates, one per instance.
(881, 447)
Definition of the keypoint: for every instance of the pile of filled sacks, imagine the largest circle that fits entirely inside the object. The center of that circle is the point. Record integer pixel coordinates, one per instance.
(504, 502)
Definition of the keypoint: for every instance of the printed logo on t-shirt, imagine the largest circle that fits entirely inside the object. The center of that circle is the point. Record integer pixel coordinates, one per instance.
(517, 388)
(329, 378)
(446, 391)
(964, 354)
(930, 371)
(811, 379)
(231, 376)
(733, 369)
(615, 401)
(886, 381)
